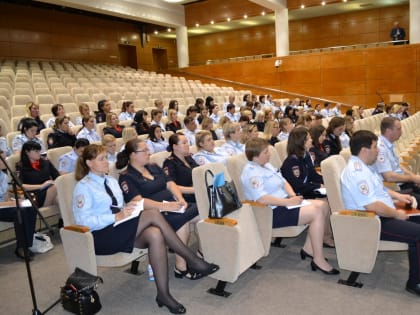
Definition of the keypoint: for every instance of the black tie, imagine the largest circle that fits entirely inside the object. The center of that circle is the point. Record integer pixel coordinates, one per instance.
(114, 206)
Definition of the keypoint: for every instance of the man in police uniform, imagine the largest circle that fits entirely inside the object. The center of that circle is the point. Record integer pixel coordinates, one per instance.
(362, 189)
(388, 162)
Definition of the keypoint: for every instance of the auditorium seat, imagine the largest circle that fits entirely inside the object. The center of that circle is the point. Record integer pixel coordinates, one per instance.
(78, 246)
(356, 237)
(234, 248)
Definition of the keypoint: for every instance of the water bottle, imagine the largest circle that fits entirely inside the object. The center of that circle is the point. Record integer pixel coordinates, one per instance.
(150, 272)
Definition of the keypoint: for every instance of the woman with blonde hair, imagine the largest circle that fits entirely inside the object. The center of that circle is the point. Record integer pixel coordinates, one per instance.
(112, 125)
(219, 129)
(233, 132)
(84, 111)
(207, 152)
(249, 131)
(271, 132)
(32, 111)
(98, 204)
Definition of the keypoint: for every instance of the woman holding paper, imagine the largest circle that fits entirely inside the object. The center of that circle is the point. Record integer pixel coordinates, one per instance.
(261, 182)
(95, 199)
(159, 192)
(299, 171)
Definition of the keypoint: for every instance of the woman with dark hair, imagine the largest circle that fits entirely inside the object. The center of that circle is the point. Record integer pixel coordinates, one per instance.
(127, 111)
(104, 107)
(140, 122)
(204, 113)
(23, 230)
(199, 104)
(112, 126)
(32, 111)
(290, 112)
(156, 141)
(58, 111)
(173, 124)
(332, 142)
(209, 103)
(173, 104)
(214, 110)
(29, 129)
(179, 165)
(37, 174)
(263, 183)
(159, 191)
(62, 135)
(317, 151)
(98, 204)
(88, 131)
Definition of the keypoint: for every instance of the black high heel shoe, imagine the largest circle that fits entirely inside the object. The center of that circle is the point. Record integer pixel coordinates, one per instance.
(21, 254)
(178, 309)
(333, 271)
(186, 274)
(305, 255)
(212, 268)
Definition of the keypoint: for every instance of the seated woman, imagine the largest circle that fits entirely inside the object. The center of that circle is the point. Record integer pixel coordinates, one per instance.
(286, 126)
(32, 111)
(140, 122)
(29, 129)
(112, 126)
(249, 131)
(317, 151)
(299, 171)
(110, 144)
(62, 135)
(127, 111)
(156, 141)
(219, 129)
(204, 113)
(88, 131)
(37, 174)
(173, 124)
(159, 192)
(207, 124)
(232, 132)
(207, 150)
(347, 133)
(98, 204)
(214, 110)
(157, 118)
(3, 144)
(128, 134)
(271, 132)
(24, 233)
(179, 165)
(67, 162)
(263, 183)
(84, 111)
(104, 108)
(58, 111)
(332, 142)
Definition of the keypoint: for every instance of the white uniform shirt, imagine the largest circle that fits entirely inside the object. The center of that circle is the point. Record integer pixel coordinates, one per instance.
(67, 162)
(91, 135)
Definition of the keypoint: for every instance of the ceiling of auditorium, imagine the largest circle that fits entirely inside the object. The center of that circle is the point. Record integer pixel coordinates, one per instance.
(313, 9)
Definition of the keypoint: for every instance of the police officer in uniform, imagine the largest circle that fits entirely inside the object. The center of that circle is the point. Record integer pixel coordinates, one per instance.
(388, 162)
(363, 189)
(233, 132)
(207, 151)
(178, 166)
(67, 162)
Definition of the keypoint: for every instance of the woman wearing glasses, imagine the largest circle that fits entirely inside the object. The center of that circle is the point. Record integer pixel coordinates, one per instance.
(159, 192)
(95, 199)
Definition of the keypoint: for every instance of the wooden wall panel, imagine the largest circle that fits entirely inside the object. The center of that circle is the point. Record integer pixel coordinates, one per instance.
(352, 77)
(27, 32)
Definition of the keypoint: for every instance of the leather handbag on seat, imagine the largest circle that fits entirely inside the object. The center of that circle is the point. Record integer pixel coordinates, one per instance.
(223, 197)
(79, 296)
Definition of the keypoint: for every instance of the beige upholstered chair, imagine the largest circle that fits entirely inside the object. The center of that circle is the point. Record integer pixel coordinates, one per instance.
(233, 248)
(281, 148)
(235, 165)
(159, 157)
(356, 237)
(54, 154)
(78, 242)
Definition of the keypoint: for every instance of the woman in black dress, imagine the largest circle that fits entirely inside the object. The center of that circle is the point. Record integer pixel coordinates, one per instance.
(140, 122)
(159, 191)
(332, 143)
(112, 126)
(318, 153)
(62, 135)
(178, 166)
(37, 174)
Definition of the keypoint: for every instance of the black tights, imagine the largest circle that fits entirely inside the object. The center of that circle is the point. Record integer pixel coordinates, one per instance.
(154, 233)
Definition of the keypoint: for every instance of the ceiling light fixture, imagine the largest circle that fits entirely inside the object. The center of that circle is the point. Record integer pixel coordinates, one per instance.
(263, 13)
(228, 19)
(323, 2)
(344, 0)
(156, 32)
(169, 29)
(245, 16)
(211, 22)
(197, 25)
(302, 6)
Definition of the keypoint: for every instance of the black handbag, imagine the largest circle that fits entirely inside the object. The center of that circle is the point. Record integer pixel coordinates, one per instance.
(79, 296)
(223, 199)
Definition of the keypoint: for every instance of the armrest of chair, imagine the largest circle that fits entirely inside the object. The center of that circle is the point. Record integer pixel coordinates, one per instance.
(79, 248)
(233, 248)
(356, 237)
(264, 217)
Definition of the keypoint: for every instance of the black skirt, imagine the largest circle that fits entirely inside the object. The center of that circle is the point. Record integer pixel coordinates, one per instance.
(111, 240)
(283, 217)
(177, 220)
